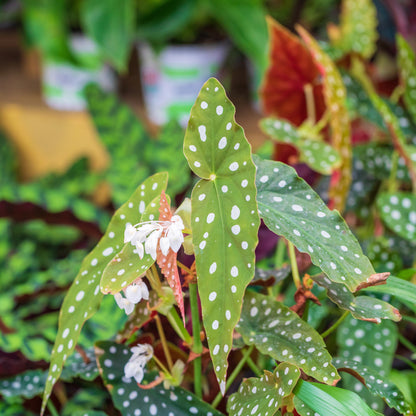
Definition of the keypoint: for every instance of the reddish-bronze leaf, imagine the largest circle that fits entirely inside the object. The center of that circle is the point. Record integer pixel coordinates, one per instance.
(291, 68)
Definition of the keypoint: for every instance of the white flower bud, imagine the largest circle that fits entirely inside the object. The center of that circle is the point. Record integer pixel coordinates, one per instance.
(150, 244)
(129, 233)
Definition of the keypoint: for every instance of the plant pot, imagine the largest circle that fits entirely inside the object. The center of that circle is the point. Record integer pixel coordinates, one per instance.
(172, 78)
(63, 82)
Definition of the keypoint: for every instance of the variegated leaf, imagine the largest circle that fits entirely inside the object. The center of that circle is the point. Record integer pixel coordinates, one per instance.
(277, 331)
(335, 95)
(84, 297)
(225, 220)
(319, 155)
(361, 307)
(290, 207)
(28, 384)
(131, 400)
(407, 73)
(264, 396)
(376, 384)
(398, 212)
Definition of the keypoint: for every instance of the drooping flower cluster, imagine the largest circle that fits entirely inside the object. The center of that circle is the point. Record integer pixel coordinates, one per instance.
(168, 234)
(134, 293)
(142, 353)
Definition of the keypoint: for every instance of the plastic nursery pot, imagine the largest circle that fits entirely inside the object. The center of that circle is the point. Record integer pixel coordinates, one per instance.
(172, 78)
(63, 82)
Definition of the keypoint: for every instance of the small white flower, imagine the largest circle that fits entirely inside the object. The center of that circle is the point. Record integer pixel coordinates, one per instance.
(150, 245)
(140, 249)
(129, 233)
(164, 245)
(134, 294)
(175, 237)
(142, 353)
(124, 303)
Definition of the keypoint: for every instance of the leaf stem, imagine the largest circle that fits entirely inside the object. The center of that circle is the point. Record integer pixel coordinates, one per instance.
(164, 342)
(153, 276)
(279, 257)
(160, 364)
(233, 375)
(294, 264)
(337, 323)
(51, 407)
(197, 344)
(177, 324)
(253, 367)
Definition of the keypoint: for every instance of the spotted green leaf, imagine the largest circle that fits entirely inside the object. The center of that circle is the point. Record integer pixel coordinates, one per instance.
(302, 409)
(290, 208)
(407, 73)
(372, 346)
(28, 384)
(131, 400)
(358, 28)
(264, 396)
(277, 331)
(263, 276)
(84, 297)
(398, 212)
(361, 307)
(319, 155)
(224, 216)
(383, 256)
(375, 383)
(335, 97)
(84, 367)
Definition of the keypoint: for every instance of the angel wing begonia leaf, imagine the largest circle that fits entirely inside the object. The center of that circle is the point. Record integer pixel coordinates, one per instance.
(291, 208)
(358, 28)
(225, 220)
(84, 297)
(362, 307)
(264, 396)
(319, 155)
(291, 69)
(398, 212)
(130, 399)
(375, 383)
(277, 331)
(335, 94)
(407, 73)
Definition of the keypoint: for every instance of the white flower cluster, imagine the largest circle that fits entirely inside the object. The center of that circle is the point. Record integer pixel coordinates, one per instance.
(168, 234)
(134, 294)
(135, 366)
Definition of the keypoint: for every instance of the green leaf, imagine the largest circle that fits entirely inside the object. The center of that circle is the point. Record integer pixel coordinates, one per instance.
(375, 384)
(76, 366)
(28, 384)
(407, 73)
(263, 276)
(290, 207)
(331, 401)
(264, 396)
(319, 155)
(406, 381)
(84, 297)
(398, 212)
(111, 24)
(130, 399)
(277, 331)
(361, 307)
(224, 216)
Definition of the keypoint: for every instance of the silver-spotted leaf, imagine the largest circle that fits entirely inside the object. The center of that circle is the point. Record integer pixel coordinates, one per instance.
(407, 73)
(28, 384)
(263, 276)
(84, 367)
(375, 383)
(361, 307)
(225, 220)
(264, 396)
(131, 400)
(302, 409)
(277, 331)
(84, 297)
(398, 212)
(319, 155)
(291, 208)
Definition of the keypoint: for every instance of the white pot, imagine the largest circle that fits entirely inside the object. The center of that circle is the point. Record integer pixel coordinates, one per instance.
(63, 83)
(172, 78)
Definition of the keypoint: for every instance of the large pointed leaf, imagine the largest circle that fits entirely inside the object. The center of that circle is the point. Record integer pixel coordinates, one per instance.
(225, 220)
(407, 73)
(358, 28)
(335, 95)
(264, 396)
(319, 155)
(291, 69)
(375, 384)
(277, 331)
(131, 400)
(84, 297)
(398, 212)
(362, 307)
(290, 207)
